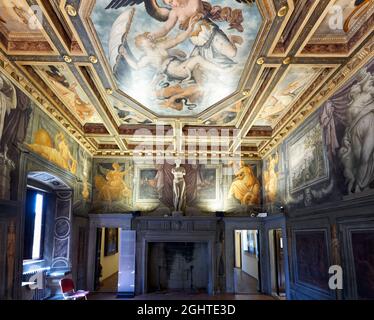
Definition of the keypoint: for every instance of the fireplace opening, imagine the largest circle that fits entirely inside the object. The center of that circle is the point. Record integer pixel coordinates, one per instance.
(178, 266)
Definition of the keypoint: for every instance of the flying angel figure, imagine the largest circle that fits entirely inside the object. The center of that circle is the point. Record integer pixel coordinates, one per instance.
(209, 40)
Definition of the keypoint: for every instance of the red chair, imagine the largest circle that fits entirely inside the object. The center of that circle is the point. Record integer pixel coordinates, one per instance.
(68, 290)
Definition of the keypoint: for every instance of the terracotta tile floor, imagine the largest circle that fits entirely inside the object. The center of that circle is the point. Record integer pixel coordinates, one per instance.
(246, 288)
(182, 296)
(110, 284)
(244, 283)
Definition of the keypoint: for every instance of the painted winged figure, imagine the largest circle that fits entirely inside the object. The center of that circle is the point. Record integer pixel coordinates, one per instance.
(178, 76)
(209, 40)
(110, 184)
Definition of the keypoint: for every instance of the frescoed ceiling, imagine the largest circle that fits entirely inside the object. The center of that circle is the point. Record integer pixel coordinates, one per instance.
(192, 65)
(250, 70)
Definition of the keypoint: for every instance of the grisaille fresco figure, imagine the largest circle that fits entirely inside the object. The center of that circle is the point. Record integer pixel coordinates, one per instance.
(6, 166)
(357, 151)
(8, 100)
(179, 188)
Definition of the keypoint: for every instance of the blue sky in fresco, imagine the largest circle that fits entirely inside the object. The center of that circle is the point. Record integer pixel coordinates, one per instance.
(104, 19)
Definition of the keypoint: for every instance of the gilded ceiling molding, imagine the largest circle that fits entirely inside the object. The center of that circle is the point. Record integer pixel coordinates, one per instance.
(25, 85)
(59, 16)
(312, 89)
(329, 89)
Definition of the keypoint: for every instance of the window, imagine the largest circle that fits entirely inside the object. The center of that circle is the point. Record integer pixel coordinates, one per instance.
(36, 252)
(34, 225)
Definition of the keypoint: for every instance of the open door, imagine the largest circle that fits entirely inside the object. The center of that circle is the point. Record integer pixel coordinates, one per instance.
(107, 260)
(276, 252)
(238, 250)
(279, 257)
(247, 264)
(97, 260)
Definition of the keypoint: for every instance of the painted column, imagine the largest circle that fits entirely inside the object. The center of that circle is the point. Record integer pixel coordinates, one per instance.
(62, 231)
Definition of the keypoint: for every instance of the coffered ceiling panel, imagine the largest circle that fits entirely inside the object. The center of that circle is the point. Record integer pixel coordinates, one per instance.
(22, 30)
(126, 115)
(296, 80)
(116, 74)
(66, 87)
(342, 27)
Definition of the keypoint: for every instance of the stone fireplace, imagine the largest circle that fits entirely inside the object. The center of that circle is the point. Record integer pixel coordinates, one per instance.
(179, 266)
(177, 253)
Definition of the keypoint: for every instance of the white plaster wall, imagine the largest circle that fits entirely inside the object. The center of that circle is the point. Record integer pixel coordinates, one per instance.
(250, 264)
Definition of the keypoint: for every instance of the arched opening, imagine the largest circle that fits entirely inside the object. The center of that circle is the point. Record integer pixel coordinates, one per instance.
(47, 235)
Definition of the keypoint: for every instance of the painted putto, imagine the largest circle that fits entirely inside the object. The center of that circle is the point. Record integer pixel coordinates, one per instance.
(176, 57)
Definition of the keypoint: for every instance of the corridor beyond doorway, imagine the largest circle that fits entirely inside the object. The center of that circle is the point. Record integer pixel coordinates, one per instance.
(246, 271)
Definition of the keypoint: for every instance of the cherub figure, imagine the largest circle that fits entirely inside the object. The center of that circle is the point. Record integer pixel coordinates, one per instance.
(179, 11)
(157, 55)
(205, 36)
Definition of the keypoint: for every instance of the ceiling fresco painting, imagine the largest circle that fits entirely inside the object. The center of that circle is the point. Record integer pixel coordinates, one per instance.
(64, 85)
(103, 69)
(127, 115)
(173, 60)
(17, 16)
(20, 28)
(228, 116)
(287, 92)
(343, 26)
(355, 13)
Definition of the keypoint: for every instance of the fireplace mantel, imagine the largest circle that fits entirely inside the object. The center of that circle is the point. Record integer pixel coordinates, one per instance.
(177, 229)
(163, 224)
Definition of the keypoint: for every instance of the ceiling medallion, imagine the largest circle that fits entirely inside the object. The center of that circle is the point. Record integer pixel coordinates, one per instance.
(260, 61)
(246, 93)
(93, 59)
(67, 59)
(287, 60)
(72, 12)
(109, 91)
(283, 11)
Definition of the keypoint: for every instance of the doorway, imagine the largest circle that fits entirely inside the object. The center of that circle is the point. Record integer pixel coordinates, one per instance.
(107, 260)
(276, 250)
(247, 262)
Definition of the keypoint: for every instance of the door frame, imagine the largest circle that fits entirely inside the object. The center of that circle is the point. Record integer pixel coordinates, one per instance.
(239, 223)
(121, 221)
